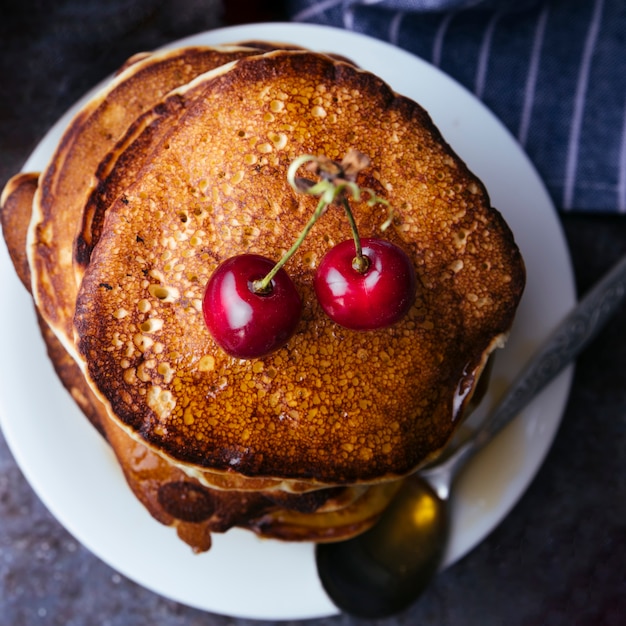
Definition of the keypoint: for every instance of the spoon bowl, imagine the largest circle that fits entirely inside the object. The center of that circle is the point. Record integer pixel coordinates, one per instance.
(388, 565)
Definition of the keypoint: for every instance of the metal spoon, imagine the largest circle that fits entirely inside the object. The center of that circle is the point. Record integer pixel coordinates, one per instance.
(385, 569)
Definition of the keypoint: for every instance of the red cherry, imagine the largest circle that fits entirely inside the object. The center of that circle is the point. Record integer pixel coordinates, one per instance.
(375, 298)
(245, 323)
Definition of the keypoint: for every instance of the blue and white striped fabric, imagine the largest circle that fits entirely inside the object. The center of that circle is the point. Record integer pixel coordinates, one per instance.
(553, 71)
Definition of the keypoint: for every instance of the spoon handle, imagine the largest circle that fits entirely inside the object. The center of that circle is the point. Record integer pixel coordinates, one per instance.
(570, 337)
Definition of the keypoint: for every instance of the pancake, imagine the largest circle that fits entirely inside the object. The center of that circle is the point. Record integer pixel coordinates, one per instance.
(334, 406)
(115, 173)
(66, 183)
(196, 511)
(16, 206)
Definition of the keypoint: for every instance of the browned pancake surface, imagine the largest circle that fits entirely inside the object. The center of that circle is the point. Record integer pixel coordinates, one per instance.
(333, 406)
(16, 206)
(15, 213)
(175, 499)
(116, 171)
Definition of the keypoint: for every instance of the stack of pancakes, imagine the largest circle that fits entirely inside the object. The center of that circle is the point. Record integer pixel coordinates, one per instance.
(180, 162)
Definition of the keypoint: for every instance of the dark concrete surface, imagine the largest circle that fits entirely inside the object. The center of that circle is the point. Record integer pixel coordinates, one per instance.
(558, 558)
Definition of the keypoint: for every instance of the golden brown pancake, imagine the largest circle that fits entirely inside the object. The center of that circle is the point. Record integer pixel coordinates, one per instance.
(15, 211)
(116, 172)
(333, 406)
(175, 499)
(16, 206)
(66, 183)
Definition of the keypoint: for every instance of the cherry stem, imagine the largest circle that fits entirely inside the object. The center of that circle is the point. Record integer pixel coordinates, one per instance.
(264, 285)
(360, 263)
(333, 187)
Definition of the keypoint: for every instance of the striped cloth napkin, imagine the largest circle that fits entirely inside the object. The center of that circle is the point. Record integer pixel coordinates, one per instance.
(553, 71)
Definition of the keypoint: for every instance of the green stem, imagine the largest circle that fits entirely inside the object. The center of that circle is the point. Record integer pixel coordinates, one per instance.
(263, 285)
(360, 262)
(329, 192)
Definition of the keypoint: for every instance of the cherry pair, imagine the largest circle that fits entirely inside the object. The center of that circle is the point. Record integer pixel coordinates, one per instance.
(252, 307)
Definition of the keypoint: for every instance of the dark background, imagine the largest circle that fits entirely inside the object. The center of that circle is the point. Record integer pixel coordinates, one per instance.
(558, 558)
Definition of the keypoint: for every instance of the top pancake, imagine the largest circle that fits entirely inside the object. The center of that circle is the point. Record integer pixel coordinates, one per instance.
(68, 180)
(333, 406)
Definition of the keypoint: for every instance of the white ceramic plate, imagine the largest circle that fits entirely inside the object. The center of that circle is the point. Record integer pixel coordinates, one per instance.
(75, 475)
